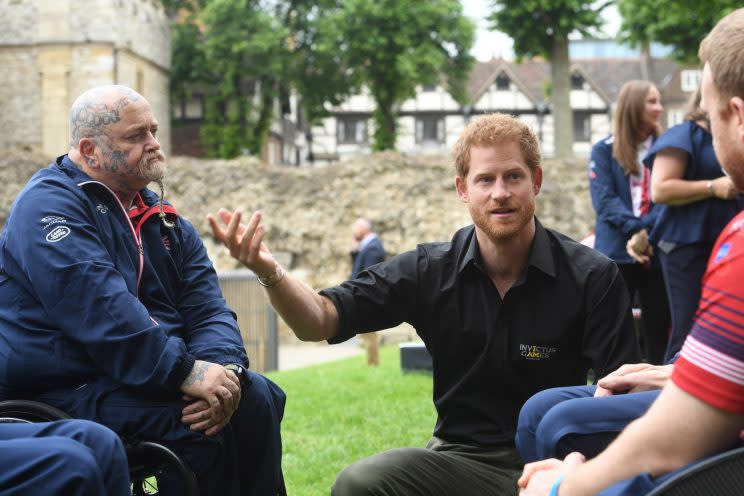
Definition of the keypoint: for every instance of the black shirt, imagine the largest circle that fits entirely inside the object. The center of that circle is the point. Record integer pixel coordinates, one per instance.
(568, 311)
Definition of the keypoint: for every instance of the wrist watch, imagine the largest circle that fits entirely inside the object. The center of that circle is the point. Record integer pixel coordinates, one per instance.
(241, 372)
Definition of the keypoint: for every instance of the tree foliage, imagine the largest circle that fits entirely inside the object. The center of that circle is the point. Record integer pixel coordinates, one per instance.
(246, 55)
(172, 7)
(234, 53)
(541, 27)
(316, 70)
(681, 24)
(391, 46)
(243, 54)
(534, 25)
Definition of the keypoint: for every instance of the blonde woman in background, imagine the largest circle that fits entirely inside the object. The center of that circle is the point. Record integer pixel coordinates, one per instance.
(619, 184)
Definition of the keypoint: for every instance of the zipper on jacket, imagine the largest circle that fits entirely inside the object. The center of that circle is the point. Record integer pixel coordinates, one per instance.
(135, 234)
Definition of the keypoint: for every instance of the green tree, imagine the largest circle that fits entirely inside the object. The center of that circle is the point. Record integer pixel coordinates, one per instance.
(391, 46)
(541, 27)
(681, 24)
(172, 7)
(316, 69)
(244, 54)
(187, 59)
(236, 54)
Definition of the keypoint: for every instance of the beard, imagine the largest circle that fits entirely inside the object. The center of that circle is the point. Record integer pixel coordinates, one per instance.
(730, 161)
(502, 230)
(152, 166)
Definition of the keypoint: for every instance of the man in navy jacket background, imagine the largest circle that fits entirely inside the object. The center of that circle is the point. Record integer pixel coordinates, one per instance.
(366, 251)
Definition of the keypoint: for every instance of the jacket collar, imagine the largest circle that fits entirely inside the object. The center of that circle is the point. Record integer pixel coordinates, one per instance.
(69, 168)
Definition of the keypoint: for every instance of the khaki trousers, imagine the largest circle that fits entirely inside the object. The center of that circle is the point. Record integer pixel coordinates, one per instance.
(372, 347)
(440, 469)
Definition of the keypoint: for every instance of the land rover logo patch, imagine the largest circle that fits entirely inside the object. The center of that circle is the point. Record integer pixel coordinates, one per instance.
(57, 234)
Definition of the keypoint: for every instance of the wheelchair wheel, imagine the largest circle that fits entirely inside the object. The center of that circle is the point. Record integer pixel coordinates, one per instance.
(29, 412)
(147, 463)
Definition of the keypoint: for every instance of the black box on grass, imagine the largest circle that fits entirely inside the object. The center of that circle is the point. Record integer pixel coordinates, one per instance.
(414, 357)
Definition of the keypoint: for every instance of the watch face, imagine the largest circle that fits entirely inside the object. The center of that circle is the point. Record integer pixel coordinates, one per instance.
(240, 372)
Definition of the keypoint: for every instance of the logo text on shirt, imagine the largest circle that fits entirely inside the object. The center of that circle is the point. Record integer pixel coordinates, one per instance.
(57, 234)
(50, 220)
(534, 352)
(723, 252)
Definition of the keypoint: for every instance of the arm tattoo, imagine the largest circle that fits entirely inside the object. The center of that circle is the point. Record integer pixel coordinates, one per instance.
(197, 373)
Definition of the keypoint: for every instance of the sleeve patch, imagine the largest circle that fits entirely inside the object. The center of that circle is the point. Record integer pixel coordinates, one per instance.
(57, 234)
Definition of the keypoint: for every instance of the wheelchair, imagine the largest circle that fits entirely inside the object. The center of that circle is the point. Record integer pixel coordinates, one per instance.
(147, 460)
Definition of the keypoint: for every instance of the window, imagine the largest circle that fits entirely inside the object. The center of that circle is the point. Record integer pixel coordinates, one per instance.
(351, 130)
(582, 126)
(690, 80)
(194, 107)
(577, 82)
(502, 82)
(430, 129)
(429, 87)
(675, 117)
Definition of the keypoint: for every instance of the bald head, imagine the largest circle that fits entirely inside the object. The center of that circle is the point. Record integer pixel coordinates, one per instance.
(361, 228)
(96, 109)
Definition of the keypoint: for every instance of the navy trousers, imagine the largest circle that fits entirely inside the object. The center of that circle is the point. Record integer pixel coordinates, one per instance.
(683, 269)
(655, 320)
(557, 421)
(70, 457)
(244, 459)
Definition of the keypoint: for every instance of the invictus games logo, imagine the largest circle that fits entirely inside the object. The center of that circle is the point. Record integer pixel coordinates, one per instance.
(532, 352)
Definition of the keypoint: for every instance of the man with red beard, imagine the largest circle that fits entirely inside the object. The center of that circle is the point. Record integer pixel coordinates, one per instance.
(111, 310)
(506, 308)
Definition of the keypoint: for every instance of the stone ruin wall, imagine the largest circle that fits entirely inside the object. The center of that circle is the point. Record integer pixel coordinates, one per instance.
(53, 50)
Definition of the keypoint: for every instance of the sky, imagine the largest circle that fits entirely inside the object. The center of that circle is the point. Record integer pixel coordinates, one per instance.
(490, 44)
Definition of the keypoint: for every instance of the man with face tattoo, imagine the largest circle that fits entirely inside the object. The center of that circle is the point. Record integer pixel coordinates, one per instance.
(111, 310)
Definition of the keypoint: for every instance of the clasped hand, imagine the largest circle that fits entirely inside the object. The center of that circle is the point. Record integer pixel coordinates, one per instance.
(639, 248)
(213, 393)
(634, 378)
(538, 477)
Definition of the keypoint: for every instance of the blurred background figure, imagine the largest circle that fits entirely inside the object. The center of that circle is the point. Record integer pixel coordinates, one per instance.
(366, 251)
(619, 186)
(700, 201)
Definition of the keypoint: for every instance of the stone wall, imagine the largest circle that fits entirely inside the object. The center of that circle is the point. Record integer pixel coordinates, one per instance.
(138, 25)
(20, 102)
(53, 50)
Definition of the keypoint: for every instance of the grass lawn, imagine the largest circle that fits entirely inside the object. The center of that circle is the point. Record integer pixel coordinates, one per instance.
(342, 411)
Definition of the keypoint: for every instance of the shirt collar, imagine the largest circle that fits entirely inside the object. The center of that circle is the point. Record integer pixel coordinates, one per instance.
(65, 163)
(540, 257)
(138, 207)
(369, 237)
